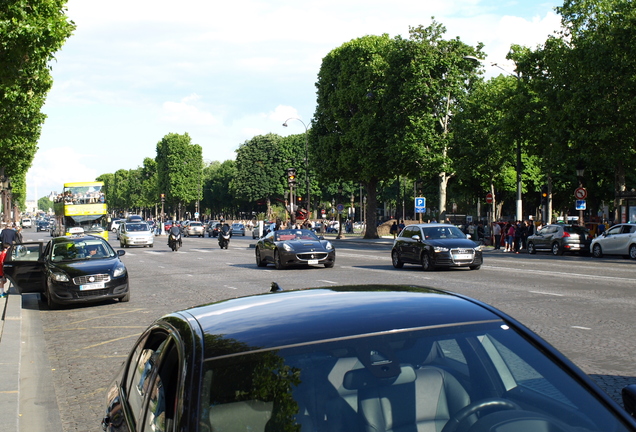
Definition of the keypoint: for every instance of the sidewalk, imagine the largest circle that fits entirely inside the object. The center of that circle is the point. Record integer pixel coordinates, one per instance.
(27, 394)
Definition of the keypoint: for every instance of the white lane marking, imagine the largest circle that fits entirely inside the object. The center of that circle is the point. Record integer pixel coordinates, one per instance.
(553, 273)
(328, 281)
(201, 250)
(582, 328)
(227, 286)
(546, 293)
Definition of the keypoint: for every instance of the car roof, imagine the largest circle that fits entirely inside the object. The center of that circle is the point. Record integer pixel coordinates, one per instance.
(272, 320)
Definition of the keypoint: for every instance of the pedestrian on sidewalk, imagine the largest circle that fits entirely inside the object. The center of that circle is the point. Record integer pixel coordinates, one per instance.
(496, 232)
(394, 229)
(3, 280)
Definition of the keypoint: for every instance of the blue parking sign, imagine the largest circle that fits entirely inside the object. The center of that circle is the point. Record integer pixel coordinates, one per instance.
(420, 205)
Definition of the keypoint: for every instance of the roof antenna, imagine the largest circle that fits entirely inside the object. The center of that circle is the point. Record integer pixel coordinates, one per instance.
(275, 287)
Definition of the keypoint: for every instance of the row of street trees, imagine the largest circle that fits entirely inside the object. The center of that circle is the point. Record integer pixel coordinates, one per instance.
(398, 114)
(30, 34)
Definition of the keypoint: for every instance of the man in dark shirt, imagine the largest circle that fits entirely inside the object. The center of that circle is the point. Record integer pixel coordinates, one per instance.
(8, 235)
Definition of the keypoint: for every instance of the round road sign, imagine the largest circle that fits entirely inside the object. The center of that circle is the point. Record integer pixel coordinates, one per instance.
(489, 198)
(580, 193)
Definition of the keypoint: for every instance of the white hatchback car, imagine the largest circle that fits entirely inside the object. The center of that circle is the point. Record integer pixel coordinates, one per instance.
(135, 234)
(618, 240)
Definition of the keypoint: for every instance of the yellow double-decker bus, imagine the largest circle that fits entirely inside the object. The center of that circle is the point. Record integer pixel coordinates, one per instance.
(81, 204)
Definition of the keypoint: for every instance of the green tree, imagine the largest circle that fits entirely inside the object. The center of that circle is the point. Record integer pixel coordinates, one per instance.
(217, 196)
(260, 170)
(45, 204)
(179, 167)
(31, 33)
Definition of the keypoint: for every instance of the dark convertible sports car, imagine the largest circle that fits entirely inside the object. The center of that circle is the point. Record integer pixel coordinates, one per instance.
(435, 245)
(294, 247)
(353, 358)
(72, 269)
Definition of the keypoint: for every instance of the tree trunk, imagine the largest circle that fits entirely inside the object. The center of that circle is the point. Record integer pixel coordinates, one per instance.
(443, 186)
(619, 175)
(371, 231)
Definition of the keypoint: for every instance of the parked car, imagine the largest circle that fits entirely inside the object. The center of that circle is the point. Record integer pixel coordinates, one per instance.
(70, 269)
(238, 229)
(194, 228)
(618, 240)
(213, 228)
(560, 238)
(136, 234)
(435, 245)
(288, 247)
(368, 358)
(167, 225)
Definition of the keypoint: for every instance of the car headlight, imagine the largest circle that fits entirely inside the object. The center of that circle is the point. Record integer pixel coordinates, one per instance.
(287, 247)
(60, 277)
(329, 246)
(119, 270)
(478, 248)
(440, 249)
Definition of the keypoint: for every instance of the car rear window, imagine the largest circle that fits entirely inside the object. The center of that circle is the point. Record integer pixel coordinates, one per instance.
(576, 230)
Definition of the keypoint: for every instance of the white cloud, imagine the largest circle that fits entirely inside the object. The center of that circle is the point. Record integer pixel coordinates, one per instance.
(187, 113)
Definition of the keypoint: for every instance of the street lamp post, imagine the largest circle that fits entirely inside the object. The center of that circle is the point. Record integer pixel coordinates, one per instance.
(580, 171)
(518, 149)
(306, 162)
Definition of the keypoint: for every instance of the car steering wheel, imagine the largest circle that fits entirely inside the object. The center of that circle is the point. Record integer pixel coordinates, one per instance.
(491, 403)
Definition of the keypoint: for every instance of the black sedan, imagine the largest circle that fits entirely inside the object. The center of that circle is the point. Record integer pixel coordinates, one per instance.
(435, 245)
(73, 269)
(289, 247)
(353, 358)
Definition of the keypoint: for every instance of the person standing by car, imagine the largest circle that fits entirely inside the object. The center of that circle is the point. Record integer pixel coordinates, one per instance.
(510, 237)
(3, 280)
(8, 235)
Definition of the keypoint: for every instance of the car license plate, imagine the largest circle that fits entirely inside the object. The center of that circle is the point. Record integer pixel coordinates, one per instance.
(312, 262)
(462, 256)
(98, 285)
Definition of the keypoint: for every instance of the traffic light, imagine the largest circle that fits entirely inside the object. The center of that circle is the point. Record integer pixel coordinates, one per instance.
(291, 176)
(544, 195)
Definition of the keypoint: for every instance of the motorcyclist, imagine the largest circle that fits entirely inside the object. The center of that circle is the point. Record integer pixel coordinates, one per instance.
(225, 230)
(176, 231)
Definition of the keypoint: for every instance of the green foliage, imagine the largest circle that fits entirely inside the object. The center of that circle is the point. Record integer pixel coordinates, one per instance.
(31, 33)
(179, 168)
(217, 197)
(45, 204)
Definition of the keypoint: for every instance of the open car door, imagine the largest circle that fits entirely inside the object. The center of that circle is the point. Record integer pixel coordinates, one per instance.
(24, 267)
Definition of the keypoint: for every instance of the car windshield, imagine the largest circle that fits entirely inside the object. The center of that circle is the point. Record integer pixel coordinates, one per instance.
(285, 235)
(443, 232)
(80, 249)
(137, 227)
(195, 224)
(399, 380)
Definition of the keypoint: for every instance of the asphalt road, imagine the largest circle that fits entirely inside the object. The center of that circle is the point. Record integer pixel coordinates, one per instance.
(583, 306)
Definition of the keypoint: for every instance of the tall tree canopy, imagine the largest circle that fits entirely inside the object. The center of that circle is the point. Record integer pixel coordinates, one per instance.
(384, 107)
(31, 33)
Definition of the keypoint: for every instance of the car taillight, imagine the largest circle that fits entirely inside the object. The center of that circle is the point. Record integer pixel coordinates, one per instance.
(566, 234)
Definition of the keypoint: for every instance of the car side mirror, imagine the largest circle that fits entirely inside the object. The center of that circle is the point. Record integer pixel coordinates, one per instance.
(629, 399)
(416, 237)
(468, 236)
(121, 252)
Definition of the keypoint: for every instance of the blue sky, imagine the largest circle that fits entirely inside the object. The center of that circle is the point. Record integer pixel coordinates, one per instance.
(136, 70)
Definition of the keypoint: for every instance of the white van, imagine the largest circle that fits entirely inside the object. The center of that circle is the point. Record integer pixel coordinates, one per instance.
(26, 223)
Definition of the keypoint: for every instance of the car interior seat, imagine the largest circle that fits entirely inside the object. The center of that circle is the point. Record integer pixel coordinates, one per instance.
(421, 400)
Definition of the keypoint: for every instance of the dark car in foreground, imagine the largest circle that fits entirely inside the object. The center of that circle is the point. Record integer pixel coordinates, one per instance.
(288, 247)
(66, 270)
(353, 358)
(435, 245)
(560, 238)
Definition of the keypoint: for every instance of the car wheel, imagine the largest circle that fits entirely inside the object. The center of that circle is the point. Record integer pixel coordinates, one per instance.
(125, 298)
(556, 249)
(597, 251)
(426, 262)
(151, 245)
(632, 251)
(475, 267)
(395, 259)
(259, 260)
(277, 262)
(531, 248)
(114, 230)
(121, 245)
(330, 265)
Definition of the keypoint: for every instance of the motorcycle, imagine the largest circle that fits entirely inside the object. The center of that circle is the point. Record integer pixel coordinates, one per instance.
(224, 237)
(174, 241)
